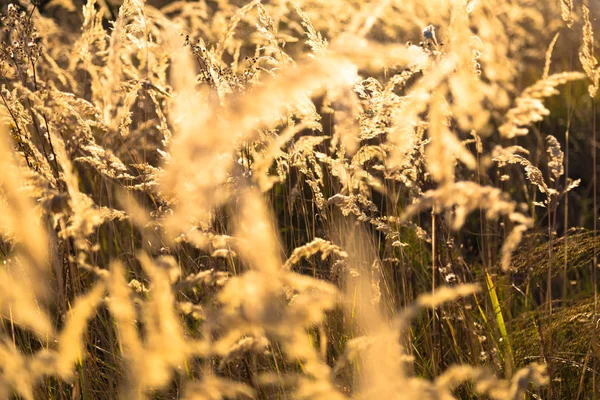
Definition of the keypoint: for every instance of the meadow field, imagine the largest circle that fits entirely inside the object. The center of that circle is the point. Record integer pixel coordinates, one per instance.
(299, 199)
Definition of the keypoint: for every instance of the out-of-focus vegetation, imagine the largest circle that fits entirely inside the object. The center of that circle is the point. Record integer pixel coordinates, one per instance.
(299, 199)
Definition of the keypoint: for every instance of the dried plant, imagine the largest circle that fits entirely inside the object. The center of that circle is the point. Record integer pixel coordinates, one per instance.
(223, 199)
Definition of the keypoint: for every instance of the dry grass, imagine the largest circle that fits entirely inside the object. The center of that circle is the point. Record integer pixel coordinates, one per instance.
(310, 199)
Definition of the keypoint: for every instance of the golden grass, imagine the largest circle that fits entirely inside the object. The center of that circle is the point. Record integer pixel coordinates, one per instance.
(305, 199)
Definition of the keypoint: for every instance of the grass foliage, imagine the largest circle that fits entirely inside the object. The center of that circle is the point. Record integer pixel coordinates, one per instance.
(298, 199)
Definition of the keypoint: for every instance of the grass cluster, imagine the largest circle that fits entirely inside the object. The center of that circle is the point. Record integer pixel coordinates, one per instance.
(303, 199)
